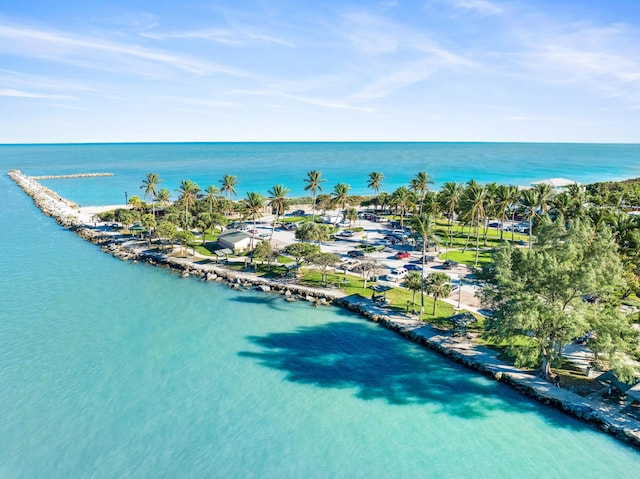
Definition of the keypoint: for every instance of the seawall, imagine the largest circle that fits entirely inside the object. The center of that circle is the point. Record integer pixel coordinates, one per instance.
(607, 418)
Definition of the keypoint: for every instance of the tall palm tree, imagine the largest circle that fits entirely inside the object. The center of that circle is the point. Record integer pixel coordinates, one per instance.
(529, 201)
(375, 181)
(340, 196)
(278, 203)
(450, 197)
(423, 225)
(503, 201)
(403, 200)
(164, 196)
(544, 197)
(314, 180)
(475, 202)
(229, 183)
(188, 195)
(420, 185)
(150, 186)
(252, 207)
(212, 196)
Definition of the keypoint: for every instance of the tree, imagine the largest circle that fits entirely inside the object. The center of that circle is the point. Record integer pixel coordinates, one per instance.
(204, 222)
(375, 181)
(437, 286)
(367, 268)
(403, 200)
(474, 204)
(229, 183)
(150, 186)
(450, 197)
(278, 203)
(351, 215)
(537, 294)
(414, 283)
(324, 261)
(184, 237)
(341, 196)
(166, 229)
(164, 196)
(149, 222)
(314, 182)
(188, 196)
(420, 185)
(264, 252)
(306, 231)
(301, 250)
(424, 226)
(212, 197)
(252, 207)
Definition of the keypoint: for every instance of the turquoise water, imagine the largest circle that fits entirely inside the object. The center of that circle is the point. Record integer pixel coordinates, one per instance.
(259, 166)
(109, 369)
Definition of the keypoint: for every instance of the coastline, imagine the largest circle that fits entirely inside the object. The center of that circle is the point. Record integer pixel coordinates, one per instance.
(67, 214)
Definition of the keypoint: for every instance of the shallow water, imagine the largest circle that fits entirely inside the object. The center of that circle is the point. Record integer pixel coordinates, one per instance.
(109, 369)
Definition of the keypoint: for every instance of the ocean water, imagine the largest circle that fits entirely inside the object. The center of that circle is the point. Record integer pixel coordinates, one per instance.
(110, 369)
(258, 166)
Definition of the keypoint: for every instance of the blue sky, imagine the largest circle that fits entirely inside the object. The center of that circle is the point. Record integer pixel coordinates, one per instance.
(279, 70)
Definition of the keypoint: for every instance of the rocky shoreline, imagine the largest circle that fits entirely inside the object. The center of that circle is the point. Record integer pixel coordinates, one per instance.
(606, 418)
(75, 175)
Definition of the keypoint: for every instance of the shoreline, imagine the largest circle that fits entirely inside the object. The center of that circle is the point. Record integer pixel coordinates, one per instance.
(606, 418)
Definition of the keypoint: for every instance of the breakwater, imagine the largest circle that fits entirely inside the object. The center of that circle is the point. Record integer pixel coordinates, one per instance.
(605, 417)
(74, 175)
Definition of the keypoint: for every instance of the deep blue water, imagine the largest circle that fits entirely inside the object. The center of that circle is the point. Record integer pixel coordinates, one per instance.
(109, 369)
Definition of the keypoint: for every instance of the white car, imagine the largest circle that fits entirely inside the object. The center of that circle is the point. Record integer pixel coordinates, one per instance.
(397, 275)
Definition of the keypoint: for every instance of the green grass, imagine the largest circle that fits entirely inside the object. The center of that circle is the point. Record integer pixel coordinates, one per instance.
(469, 256)
(398, 296)
(459, 236)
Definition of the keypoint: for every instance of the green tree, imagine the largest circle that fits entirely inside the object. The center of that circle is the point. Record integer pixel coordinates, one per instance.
(341, 196)
(450, 197)
(164, 196)
(324, 261)
(420, 185)
(149, 222)
(229, 183)
(375, 181)
(253, 206)
(537, 294)
(351, 215)
(403, 200)
(264, 252)
(306, 231)
(166, 230)
(212, 197)
(301, 250)
(314, 182)
(278, 203)
(474, 205)
(188, 195)
(437, 286)
(414, 283)
(150, 186)
(424, 227)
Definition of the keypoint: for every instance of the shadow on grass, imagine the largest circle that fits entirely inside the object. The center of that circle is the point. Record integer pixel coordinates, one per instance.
(345, 355)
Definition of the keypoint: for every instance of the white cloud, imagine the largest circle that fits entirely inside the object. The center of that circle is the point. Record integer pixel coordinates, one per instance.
(98, 53)
(481, 6)
(28, 94)
(230, 37)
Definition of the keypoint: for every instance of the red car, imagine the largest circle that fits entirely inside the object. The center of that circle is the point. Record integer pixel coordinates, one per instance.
(401, 255)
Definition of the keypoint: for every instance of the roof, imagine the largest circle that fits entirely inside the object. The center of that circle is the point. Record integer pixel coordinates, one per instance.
(556, 182)
(233, 236)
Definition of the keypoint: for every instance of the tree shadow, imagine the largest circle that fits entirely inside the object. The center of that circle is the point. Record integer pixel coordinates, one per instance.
(378, 366)
(271, 301)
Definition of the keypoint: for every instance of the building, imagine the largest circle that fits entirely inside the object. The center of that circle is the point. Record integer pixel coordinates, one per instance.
(558, 184)
(235, 240)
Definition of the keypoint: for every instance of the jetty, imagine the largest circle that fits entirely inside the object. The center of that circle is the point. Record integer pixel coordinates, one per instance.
(73, 175)
(462, 349)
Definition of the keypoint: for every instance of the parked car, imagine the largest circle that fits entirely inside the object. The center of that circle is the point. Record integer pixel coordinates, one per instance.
(449, 264)
(402, 255)
(397, 274)
(346, 233)
(412, 267)
(298, 213)
(354, 253)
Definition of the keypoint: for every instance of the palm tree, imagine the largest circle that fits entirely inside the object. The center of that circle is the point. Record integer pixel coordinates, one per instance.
(150, 186)
(450, 196)
(403, 200)
(420, 185)
(529, 201)
(503, 201)
(423, 225)
(229, 183)
(314, 180)
(212, 196)
(375, 181)
(252, 206)
(188, 195)
(544, 197)
(438, 287)
(475, 200)
(278, 203)
(164, 196)
(341, 196)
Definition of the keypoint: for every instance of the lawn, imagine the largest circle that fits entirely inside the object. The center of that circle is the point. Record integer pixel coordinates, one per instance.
(469, 256)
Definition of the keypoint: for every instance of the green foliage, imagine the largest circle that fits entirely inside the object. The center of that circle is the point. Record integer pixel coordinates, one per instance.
(301, 250)
(539, 293)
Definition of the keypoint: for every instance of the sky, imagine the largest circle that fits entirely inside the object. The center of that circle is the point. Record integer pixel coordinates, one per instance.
(348, 70)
